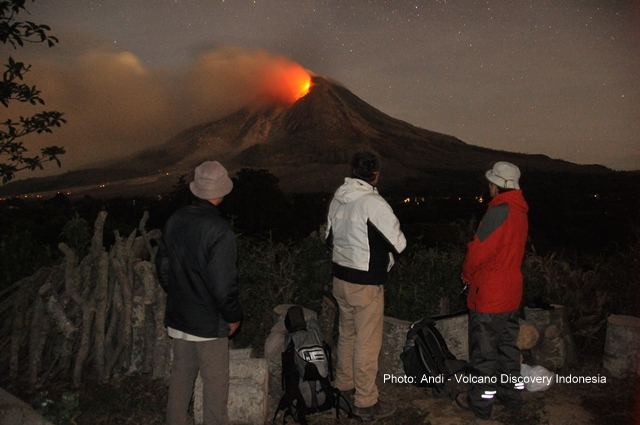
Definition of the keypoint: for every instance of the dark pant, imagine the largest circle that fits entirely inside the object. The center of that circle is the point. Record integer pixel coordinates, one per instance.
(494, 359)
(211, 359)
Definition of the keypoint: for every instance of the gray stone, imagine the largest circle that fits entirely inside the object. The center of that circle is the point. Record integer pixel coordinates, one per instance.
(274, 344)
(240, 353)
(551, 353)
(455, 331)
(563, 350)
(248, 390)
(393, 338)
(622, 347)
(14, 411)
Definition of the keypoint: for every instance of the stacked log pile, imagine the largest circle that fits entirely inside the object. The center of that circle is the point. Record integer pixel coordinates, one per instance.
(99, 316)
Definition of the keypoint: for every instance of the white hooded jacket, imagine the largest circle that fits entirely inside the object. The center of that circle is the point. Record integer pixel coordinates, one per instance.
(364, 233)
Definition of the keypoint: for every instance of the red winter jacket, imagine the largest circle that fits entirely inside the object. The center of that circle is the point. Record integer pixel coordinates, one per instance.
(494, 256)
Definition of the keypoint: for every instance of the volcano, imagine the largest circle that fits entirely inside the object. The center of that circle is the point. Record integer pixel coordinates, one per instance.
(307, 145)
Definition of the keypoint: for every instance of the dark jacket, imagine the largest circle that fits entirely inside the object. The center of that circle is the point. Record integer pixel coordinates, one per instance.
(196, 265)
(494, 256)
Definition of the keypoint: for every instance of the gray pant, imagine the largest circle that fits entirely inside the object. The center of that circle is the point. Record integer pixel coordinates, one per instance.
(211, 359)
(494, 355)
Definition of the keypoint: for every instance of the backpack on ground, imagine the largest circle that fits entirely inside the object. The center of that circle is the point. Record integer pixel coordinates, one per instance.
(307, 371)
(427, 359)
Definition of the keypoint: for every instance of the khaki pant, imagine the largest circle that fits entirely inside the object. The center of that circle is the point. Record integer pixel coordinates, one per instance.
(360, 339)
(211, 359)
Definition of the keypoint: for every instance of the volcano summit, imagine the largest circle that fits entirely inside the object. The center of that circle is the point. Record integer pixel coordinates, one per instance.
(307, 145)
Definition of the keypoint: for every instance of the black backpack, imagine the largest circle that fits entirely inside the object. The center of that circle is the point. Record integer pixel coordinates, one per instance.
(307, 371)
(427, 359)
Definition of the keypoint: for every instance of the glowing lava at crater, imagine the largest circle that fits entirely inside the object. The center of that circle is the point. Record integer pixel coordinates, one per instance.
(288, 82)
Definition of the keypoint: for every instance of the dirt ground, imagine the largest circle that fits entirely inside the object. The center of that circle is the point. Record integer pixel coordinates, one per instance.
(138, 401)
(611, 403)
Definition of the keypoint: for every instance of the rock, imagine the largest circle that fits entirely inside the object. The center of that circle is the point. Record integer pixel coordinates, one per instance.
(622, 347)
(274, 344)
(455, 331)
(552, 350)
(14, 411)
(548, 355)
(528, 337)
(248, 390)
(394, 335)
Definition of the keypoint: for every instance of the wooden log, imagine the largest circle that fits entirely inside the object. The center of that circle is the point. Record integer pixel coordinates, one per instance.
(124, 338)
(127, 255)
(88, 312)
(136, 348)
(149, 339)
(101, 297)
(162, 343)
(541, 319)
(56, 312)
(40, 327)
(17, 333)
(98, 233)
(71, 278)
(144, 270)
(145, 237)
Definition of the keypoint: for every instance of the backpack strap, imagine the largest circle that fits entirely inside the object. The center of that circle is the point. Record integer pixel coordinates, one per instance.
(282, 405)
(342, 403)
(327, 350)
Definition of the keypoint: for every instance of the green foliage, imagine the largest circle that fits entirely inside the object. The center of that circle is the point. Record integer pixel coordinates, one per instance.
(77, 235)
(257, 203)
(14, 154)
(578, 289)
(60, 412)
(424, 282)
(273, 273)
(22, 254)
(590, 287)
(18, 33)
(180, 194)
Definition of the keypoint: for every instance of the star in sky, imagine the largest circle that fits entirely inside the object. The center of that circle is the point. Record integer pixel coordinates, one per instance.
(554, 77)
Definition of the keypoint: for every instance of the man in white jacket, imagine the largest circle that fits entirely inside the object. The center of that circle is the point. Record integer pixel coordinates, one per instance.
(363, 232)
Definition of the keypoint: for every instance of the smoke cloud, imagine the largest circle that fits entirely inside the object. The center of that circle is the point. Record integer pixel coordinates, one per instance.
(115, 106)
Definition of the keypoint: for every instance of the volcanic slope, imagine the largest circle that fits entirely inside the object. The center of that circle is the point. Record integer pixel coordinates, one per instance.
(307, 145)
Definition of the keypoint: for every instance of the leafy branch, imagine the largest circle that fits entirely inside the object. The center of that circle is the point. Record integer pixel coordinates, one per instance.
(14, 155)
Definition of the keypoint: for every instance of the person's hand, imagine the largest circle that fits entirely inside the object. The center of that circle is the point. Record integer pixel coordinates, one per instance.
(233, 327)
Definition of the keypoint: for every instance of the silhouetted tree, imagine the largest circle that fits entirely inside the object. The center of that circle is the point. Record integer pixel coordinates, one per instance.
(180, 194)
(256, 204)
(14, 153)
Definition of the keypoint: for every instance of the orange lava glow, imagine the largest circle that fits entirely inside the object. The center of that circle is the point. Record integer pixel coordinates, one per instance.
(288, 82)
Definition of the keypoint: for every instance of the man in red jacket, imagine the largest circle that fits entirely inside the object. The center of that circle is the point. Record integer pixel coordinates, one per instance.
(492, 271)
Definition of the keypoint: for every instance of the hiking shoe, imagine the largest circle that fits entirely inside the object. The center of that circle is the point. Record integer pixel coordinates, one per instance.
(462, 400)
(378, 411)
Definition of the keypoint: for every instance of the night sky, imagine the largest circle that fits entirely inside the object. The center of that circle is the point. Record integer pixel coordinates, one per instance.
(550, 77)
